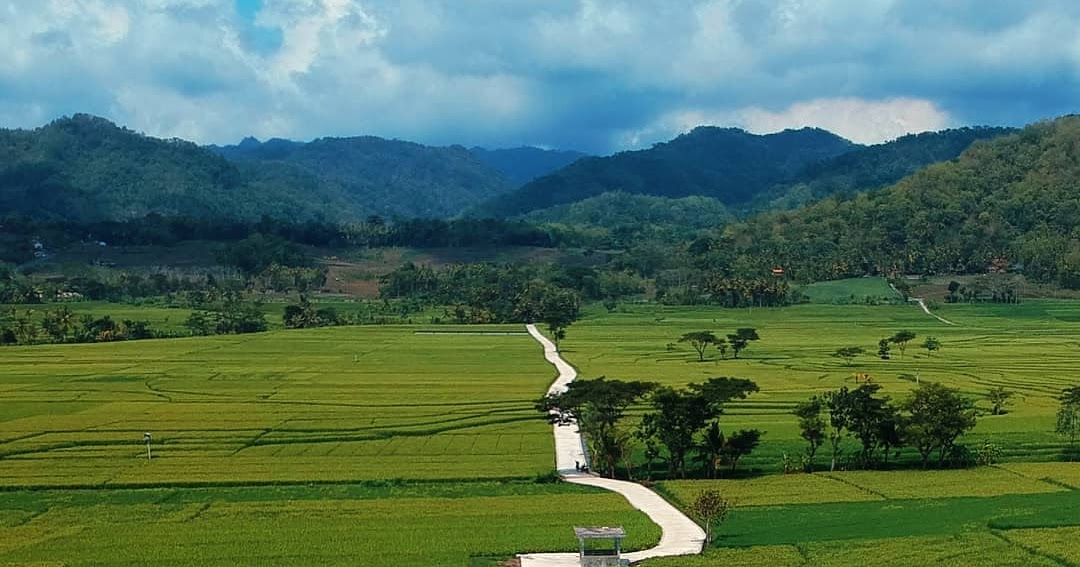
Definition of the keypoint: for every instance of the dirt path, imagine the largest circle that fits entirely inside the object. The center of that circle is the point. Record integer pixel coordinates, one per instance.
(922, 304)
(681, 536)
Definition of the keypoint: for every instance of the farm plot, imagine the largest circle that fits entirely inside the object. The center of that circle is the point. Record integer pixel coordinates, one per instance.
(330, 405)
(986, 516)
(445, 524)
(1029, 349)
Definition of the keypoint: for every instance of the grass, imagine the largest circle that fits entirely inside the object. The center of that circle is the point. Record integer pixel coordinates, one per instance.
(340, 404)
(851, 290)
(1030, 349)
(986, 516)
(378, 446)
(302, 526)
(372, 446)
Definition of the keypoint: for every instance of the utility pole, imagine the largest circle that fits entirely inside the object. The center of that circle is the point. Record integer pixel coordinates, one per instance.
(146, 437)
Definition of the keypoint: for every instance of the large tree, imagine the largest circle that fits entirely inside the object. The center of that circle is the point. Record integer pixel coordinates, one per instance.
(937, 416)
(838, 405)
(677, 418)
(700, 340)
(741, 338)
(1068, 415)
(811, 428)
(901, 340)
(597, 406)
(848, 353)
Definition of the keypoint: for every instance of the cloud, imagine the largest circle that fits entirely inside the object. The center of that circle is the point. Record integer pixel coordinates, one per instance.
(865, 122)
(597, 75)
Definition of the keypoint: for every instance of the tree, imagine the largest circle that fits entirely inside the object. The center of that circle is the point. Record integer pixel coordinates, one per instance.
(741, 339)
(200, 323)
(596, 406)
(740, 444)
(712, 448)
(711, 509)
(954, 286)
(866, 414)
(901, 340)
(722, 346)
(999, 398)
(883, 349)
(560, 308)
(890, 431)
(700, 340)
(1068, 415)
(676, 419)
(838, 405)
(721, 389)
(938, 415)
(931, 344)
(555, 306)
(811, 427)
(848, 353)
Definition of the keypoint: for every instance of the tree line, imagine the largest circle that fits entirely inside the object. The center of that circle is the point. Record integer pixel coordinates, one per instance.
(681, 424)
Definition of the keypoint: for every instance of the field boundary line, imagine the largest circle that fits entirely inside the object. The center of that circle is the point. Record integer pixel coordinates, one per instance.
(679, 534)
(1033, 551)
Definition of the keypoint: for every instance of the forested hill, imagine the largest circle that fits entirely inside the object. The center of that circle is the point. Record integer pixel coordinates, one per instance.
(627, 218)
(389, 177)
(522, 165)
(872, 167)
(728, 164)
(85, 168)
(1014, 198)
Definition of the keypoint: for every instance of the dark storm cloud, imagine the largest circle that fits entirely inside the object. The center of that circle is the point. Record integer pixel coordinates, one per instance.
(597, 75)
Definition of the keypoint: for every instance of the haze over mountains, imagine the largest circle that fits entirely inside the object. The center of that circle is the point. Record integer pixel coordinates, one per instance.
(86, 168)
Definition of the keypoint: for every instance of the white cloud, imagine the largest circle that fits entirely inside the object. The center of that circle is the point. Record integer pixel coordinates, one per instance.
(862, 121)
(588, 74)
(865, 122)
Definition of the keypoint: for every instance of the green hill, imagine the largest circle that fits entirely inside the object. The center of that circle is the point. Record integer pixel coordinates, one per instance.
(522, 165)
(387, 177)
(87, 168)
(727, 164)
(635, 217)
(872, 167)
(1012, 201)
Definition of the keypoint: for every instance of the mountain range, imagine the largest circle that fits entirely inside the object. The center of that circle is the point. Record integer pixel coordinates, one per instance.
(87, 168)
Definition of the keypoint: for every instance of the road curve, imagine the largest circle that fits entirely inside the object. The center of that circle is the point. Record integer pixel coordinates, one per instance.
(681, 536)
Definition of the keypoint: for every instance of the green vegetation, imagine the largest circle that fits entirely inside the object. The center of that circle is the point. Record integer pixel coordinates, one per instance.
(849, 291)
(300, 406)
(282, 448)
(1027, 348)
(986, 516)
(939, 220)
(872, 167)
(377, 524)
(724, 163)
(625, 218)
(377, 176)
(522, 165)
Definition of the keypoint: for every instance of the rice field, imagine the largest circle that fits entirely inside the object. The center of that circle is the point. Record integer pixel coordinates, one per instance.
(380, 446)
(984, 516)
(1031, 349)
(331, 405)
(412, 526)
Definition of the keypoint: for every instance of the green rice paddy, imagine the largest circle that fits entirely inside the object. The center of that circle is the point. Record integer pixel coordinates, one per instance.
(380, 446)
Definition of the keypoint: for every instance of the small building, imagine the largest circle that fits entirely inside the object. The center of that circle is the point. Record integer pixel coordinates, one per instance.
(602, 557)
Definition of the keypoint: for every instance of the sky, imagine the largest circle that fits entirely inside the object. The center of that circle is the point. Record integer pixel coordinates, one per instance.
(592, 75)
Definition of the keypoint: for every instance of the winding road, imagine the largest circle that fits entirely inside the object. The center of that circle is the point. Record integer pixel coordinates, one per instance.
(681, 535)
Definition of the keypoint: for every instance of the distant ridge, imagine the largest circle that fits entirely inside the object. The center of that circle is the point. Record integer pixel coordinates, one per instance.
(727, 164)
